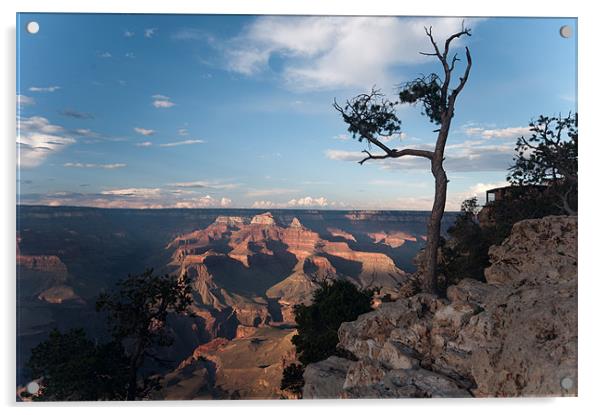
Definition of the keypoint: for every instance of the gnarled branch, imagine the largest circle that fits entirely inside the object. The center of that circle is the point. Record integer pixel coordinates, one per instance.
(397, 154)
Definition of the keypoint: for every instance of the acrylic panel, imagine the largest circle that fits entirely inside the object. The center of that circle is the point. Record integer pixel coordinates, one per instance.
(295, 207)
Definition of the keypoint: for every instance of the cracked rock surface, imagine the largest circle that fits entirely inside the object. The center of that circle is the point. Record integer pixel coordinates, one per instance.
(515, 335)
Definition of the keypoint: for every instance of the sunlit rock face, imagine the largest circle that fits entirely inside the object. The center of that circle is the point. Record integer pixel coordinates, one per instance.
(515, 335)
(240, 264)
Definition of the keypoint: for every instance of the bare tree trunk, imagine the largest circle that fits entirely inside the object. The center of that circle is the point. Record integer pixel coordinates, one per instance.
(434, 225)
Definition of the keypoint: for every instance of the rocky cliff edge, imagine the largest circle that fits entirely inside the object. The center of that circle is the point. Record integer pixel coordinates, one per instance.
(515, 335)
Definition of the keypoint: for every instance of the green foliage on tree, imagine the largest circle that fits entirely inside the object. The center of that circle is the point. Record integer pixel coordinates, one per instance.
(317, 324)
(549, 157)
(70, 367)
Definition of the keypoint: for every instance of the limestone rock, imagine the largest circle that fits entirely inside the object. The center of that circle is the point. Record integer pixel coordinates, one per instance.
(295, 223)
(325, 379)
(263, 219)
(513, 336)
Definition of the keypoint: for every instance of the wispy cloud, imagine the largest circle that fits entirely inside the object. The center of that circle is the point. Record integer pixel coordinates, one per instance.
(134, 191)
(303, 202)
(128, 33)
(162, 101)
(76, 114)
(205, 184)
(144, 144)
(204, 202)
(150, 32)
(24, 100)
(107, 166)
(144, 131)
(37, 138)
(488, 133)
(130, 55)
(44, 88)
(105, 55)
(181, 143)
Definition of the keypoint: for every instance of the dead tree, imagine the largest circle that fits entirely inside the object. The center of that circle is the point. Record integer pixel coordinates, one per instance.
(372, 117)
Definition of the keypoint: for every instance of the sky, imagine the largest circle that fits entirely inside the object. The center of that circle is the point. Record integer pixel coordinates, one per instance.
(206, 111)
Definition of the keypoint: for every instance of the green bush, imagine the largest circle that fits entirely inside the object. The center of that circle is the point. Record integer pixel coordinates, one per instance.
(317, 324)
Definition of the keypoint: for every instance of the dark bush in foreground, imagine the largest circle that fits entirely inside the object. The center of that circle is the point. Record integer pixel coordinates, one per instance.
(70, 367)
(317, 324)
(292, 379)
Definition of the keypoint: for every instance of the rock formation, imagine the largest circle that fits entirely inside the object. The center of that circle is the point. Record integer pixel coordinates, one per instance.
(247, 276)
(244, 368)
(515, 335)
(295, 257)
(44, 277)
(392, 239)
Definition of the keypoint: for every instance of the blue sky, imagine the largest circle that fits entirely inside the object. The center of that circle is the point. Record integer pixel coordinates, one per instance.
(236, 111)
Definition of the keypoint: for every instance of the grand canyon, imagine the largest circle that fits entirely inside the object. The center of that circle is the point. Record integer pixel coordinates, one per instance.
(249, 268)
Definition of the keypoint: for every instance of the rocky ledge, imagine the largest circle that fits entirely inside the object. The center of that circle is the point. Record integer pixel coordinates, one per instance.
(515, 335)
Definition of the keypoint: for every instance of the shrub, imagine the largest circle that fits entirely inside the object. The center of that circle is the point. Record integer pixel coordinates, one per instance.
(317, 324)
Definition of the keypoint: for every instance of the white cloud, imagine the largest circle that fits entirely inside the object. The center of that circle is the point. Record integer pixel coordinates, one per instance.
(144, 144)
(127, 33)
(162, 101)
(107, 166)
(183, 132)
(181, 143)
(130, 55)
(509, 132)
(24, 100)
(105, 55)
(303, 202)
(44, 89)
(150, 32)
(37, 138)
(308, 201)
(203, 202)
(144, 131)
(332, 52)
(135, 197)
(86, 132)
(399, 137)
(344, 155)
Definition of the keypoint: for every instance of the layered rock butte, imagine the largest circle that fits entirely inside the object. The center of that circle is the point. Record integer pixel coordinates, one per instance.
(48, 276)
(515, 335)
(269, 268)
